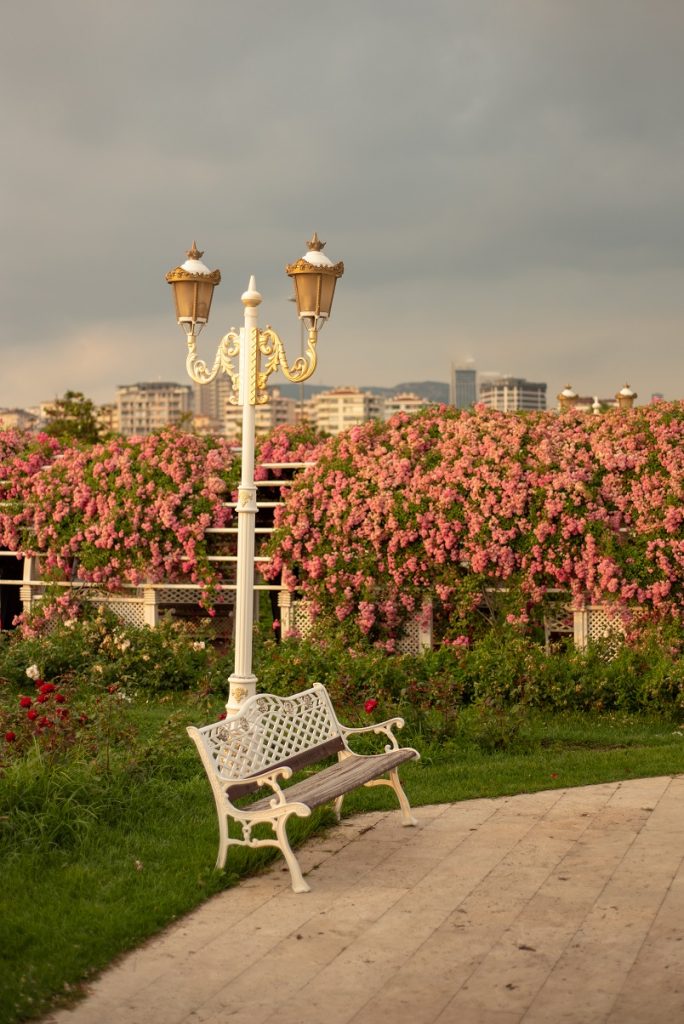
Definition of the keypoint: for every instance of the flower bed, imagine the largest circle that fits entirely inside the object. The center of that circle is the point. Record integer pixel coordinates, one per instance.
(460, 505)
(485, 514)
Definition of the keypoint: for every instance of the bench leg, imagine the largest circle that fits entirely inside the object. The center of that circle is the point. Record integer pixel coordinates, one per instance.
(223, 841)
(406, 816)
(393, 781)
(337, 807)
(298, 883)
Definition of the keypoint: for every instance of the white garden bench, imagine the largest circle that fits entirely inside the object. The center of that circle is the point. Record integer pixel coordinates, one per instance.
(272, 737)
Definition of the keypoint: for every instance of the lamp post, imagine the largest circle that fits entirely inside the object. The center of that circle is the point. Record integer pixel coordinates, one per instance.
(625, 397)
(566, 399)
(314, 277)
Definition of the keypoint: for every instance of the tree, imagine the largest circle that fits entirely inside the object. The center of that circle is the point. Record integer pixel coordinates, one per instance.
(73, 418)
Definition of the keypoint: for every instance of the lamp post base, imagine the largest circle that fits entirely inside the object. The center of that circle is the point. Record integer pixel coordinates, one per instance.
(241, 688)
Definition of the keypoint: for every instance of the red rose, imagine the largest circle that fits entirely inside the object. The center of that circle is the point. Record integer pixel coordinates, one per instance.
(10, 737)
(32, 714)
(370, 705)
(62, 713)
(48, 688)
(60, 698)
(25, 702)
(41, 698)
(46, 723)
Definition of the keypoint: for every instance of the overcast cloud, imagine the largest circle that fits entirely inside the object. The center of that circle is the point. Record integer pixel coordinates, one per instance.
(503, 180)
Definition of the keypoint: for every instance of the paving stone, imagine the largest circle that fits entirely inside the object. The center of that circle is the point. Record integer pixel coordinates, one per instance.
(565, 906)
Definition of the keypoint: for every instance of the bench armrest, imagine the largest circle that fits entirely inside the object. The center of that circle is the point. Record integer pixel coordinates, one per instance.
(380, 728)
(268, 778)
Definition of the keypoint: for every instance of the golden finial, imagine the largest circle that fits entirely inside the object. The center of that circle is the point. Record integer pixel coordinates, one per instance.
(315, 245)
(194, 253)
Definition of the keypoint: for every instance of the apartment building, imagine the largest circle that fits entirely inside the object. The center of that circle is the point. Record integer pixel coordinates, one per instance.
(341, 408)
(144, 408)
(406, 401)
(18, 419)
(277, 412)
(512, 394)
(463, 386)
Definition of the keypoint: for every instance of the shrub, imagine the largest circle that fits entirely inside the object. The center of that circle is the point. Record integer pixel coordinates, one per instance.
(479, 508)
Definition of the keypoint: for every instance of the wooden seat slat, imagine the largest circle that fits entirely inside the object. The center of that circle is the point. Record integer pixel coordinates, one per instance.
(336, 780)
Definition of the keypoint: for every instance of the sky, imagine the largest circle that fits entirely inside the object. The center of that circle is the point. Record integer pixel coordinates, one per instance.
(503, 179)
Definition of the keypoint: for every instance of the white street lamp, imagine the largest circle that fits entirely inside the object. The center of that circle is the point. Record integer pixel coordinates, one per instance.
(625, 397)
(566, 399)
(315, 277)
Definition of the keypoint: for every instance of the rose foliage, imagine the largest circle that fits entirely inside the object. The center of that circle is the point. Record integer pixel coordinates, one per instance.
(127, 511)
(453, 505)
(445, 505)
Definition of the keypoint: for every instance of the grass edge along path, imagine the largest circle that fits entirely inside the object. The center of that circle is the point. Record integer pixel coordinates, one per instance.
(75, 900)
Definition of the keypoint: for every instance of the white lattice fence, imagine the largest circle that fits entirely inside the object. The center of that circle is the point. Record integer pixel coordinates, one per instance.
(296, 621)
(597, 622)
(130, 610)
(559, 621)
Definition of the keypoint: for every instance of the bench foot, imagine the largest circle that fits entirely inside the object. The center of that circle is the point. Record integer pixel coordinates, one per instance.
(337, 807)
(298, 883)
(405, 807)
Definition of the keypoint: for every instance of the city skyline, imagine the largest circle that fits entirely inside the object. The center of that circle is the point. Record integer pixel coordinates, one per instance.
(503, 182)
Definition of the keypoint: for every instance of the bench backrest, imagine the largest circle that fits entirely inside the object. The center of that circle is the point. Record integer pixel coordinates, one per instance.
(270, 731)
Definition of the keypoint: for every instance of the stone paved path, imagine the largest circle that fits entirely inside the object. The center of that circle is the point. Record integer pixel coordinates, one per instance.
(561, 907)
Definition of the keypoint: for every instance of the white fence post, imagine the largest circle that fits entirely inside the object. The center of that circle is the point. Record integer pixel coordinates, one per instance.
(150, 607)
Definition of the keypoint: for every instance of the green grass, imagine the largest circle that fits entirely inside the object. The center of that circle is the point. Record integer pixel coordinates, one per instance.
(93, 863)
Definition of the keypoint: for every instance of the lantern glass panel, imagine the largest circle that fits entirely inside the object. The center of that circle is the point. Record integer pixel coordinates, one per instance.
(328, 282)
(193, 299)
(205, 291)
(314, 294)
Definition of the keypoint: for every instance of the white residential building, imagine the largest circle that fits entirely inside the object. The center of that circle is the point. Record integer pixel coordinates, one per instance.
(210, 400)
(144, 408)
(407, 402)
(512, 394)
(341, 408)
(275, 413)
(18, 419)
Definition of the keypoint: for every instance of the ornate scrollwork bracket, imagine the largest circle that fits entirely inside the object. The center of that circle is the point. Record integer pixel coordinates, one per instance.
(272, 347)
(229, 348)
(264, 343)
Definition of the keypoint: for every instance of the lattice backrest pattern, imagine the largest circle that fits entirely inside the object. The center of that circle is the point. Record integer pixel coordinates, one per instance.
(269, 730)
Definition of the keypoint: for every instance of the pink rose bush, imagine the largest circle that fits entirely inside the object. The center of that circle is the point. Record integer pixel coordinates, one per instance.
(288, 443)
(448, 506)
(22, 456)
(453, 505)
(129, 510)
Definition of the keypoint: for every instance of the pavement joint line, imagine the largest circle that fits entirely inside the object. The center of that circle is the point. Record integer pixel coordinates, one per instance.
(573, 938)
(498, 939)
(503, 869)
(534, 824)
(664, 897)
